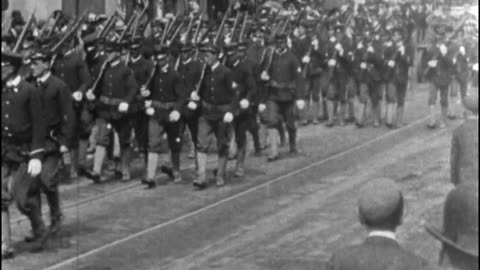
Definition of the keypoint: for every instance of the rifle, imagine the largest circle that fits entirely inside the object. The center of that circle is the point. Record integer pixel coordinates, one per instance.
(217, 36)
(69, 34)
(270, 59)
(189, 29)
(127, 27)
(244, 25)
(107, 26)
(100, 75)
(137, 21)
(197, 31)
(235, 25)
(22, 36)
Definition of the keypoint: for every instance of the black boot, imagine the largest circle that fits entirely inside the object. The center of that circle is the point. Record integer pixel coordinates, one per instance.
(292, 139)
(56, 217)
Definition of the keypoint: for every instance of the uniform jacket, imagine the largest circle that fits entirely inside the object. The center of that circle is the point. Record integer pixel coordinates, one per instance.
(300, 47)
(461, 68)
(242, 73)
(23, 121)
(118, 84)
(59, 113)
(285, 70)
(189, 73)
(464, 152)
(142, 69)
(166, 87)
(441, 75)
(73, 70)
(218, 89)
(254, 54)
(376, 253)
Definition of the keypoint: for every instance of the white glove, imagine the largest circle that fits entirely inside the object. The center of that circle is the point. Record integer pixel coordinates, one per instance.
(443, 49)
(194, 96)
(454, 60)
(90, 95)
(388, 44)
(300, 104)
(432, 63)
(360, 46)
(475, 67)
(174, 116)
(144, 92)
(289, 43)
(228, 40)
(265, 76)
(391, 63)
(306, 59)
(402, 50)
(192, 105)
(315, 43)
(34, 167)
(63, 149)
(228, 118)
(332, 62)
(123, 107)
(370, 49)
(244, 103)
(150, 111)
(77, 96)
(462, 50)
(262, 107)
(332, 39)
(363, 65)
(338, 47)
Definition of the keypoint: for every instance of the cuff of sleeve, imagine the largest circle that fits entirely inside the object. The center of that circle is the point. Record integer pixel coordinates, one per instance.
(37, 153)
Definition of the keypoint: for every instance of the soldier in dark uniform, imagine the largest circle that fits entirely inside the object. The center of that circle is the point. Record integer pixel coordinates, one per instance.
(461, 68)
(141, 68)
(242, 72)
(23, 142)
(70, 66)
(439, 73)
(189, 70)
(283, 94)
(361, 79)
(374, 66)
(337, 62)
(59, 118)
(396, 77)
(165, 101)
(380, 208)
(218, 103)
(116, 90)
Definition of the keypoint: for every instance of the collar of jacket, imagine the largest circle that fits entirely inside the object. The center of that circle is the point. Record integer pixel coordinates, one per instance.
(385, 234)
(44, 77)
(134, 60)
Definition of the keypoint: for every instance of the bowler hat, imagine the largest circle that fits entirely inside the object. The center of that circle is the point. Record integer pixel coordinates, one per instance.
(460, 225)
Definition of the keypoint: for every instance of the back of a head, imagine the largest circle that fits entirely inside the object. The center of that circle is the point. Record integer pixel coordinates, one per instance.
(381, 205)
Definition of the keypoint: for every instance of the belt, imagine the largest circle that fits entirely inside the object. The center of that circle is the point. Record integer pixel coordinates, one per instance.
(276, 84)
(209, 106)
(163, 105)
(110, 101)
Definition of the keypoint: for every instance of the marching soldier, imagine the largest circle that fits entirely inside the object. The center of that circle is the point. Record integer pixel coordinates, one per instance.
(374, 65)
(59, 118)
(283, 94)
(218, 101)
(361, 79)
(141, 68)
(242, 72)
(397, 64)
(164, 104)
(189, 70)
(439, 72)
(115, 92)
(69, 66)
(23, 142)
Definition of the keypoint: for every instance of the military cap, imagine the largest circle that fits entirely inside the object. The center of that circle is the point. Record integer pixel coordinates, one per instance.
(160, 52)
(17, 18)
(136, 42)
(209, 48)
(460, 222)
(188, 47)
(111, 46)
(13, 59)
(41, 54)
(280, 38)
(379, 200)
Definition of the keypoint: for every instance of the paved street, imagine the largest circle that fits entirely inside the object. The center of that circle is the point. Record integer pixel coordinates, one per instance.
(286, 215)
